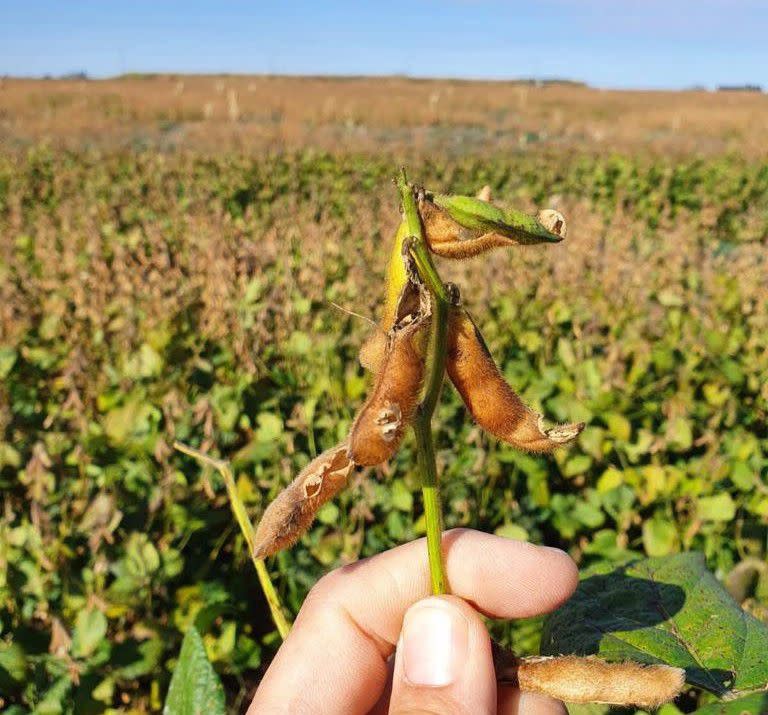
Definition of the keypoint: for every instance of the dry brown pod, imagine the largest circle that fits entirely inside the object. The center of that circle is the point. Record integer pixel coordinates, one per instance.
(380, 424)
(491, 401)
(293, 510)
(591, 680)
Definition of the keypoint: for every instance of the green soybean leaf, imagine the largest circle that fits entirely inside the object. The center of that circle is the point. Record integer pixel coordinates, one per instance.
(512, 531)
(719, 507)
(664, 610)
(90, 629)
(136, 659)
(7, 361)
(659, 537)
(54, 702)
(619, 426)
(13, 666)
(195, 688)
(756, 704)
(680, 434)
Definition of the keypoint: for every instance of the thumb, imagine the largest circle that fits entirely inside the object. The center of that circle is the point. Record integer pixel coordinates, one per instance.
(443, 662)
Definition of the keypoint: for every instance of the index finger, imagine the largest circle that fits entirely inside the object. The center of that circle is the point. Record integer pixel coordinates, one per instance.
(335, 658)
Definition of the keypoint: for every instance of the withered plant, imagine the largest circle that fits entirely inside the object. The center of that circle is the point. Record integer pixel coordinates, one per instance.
(423, 333)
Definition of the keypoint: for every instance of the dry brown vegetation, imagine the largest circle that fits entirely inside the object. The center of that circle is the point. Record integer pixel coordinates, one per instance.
(250, 112)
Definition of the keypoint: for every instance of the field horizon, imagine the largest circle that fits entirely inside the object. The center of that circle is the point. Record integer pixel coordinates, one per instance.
(357, 113)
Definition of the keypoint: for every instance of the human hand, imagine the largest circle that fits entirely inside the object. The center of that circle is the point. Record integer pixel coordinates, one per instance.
(337, 658)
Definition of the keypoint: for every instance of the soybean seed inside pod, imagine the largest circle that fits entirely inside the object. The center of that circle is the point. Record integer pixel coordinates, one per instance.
(380, 425)
(492, 402)
(293, 510)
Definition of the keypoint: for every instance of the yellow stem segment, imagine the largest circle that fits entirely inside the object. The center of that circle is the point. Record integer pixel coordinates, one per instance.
(238, 509)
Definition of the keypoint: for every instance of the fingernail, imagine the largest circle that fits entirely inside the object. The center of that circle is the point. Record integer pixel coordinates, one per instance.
(435, 642)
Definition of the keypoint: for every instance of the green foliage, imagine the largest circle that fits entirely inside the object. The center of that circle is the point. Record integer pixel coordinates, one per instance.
(665, 610)
(756, 704)
(147, 297)
(195, 688)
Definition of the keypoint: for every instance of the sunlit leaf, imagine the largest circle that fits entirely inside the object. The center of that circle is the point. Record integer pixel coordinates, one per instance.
(664, 610)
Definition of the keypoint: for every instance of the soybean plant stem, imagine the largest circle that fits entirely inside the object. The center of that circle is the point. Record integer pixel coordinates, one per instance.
(422, 425)
(433, 516)
(238, 509)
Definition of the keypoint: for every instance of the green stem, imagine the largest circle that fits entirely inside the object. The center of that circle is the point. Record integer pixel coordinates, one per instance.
(422, 425)
(238, 509)
(433, 516)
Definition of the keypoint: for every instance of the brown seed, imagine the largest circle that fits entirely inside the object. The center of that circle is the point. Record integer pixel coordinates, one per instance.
(490, 400)
(591, 680)
(294, 508)
(439, 228)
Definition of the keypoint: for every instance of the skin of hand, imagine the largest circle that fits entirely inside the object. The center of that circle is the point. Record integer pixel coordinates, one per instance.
(370, 638)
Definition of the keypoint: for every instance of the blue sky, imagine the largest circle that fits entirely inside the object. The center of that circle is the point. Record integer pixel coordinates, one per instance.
(608, 43)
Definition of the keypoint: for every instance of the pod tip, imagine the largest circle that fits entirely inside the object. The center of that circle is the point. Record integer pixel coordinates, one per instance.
(554, 222)
(565, 433)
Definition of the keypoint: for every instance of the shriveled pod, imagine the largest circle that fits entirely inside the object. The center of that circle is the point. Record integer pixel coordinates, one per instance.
(381, 422)
(576, 679)
(294, 508)
(464, 226)
(492, 402)
(591, 680)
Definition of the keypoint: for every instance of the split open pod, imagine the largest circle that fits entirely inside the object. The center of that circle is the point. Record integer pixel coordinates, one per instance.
(380, 424)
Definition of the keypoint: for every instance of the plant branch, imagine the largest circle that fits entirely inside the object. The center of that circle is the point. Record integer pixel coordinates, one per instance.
(422, 425)
(238, 509)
